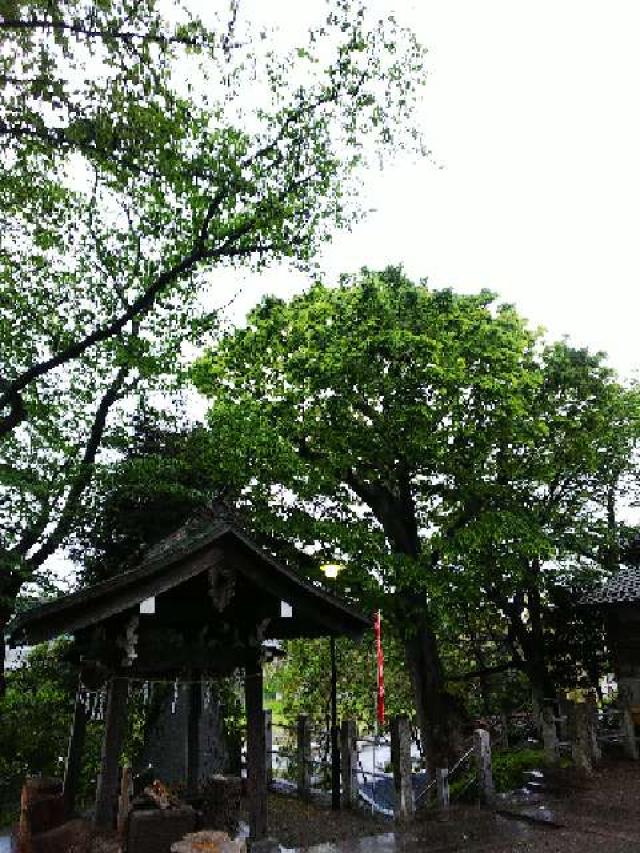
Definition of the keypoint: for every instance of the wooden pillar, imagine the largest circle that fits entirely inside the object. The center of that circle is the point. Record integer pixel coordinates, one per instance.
(303, 756)
(482, 746)
(335, 731)
(256, 769)
(193, 737)
(268, 745)
(404, 806)
(442, 785)
(349, 763)
(74, 755)
(115, 726)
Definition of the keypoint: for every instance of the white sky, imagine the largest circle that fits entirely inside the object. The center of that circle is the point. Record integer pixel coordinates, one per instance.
(533, 189)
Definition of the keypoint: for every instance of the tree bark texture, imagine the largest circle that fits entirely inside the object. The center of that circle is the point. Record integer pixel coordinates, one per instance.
(427, 677)
(395, 510)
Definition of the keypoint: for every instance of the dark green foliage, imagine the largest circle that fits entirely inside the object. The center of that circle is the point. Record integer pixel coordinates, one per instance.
(509, 768)
(164, 476)
(440, 449)
(35, 720)
(303, 679)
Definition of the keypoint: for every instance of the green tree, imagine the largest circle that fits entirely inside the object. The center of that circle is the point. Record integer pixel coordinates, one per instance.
(166, 473)
(362, 416)
(304, 680)
(546, 525)
(119, 186)
(141, 153)
(35, 718)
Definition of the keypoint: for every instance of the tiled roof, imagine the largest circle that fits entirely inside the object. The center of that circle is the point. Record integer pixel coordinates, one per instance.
(622, 588)
(163, 567)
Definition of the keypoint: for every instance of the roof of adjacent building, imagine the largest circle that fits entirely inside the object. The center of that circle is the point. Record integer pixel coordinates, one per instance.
(621, 588)
(173, 561)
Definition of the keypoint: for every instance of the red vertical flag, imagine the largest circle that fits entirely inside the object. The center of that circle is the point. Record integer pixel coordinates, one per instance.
(380, 659)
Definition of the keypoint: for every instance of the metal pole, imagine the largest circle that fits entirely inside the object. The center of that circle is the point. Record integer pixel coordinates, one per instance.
(335, 745)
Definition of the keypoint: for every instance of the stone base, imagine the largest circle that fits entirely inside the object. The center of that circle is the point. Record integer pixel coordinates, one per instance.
(76, 836)
(219, 801)
(42, 809)
(155, 830)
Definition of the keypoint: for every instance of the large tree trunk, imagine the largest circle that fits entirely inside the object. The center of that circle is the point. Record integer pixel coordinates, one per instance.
(395, 510)
(427, 676)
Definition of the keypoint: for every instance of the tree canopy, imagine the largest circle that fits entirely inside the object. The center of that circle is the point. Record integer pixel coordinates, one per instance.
(430, 440)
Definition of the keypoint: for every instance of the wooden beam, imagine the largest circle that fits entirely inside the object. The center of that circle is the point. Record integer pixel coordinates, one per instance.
(74, 755)
(109, 598)
(310, 605)
(256, 766)
(113, 739)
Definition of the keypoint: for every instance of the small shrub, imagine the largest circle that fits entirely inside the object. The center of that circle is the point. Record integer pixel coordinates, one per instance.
(509, 767)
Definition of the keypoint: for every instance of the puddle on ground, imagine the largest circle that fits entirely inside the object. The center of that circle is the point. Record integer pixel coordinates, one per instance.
(412, 841)
(385, 843)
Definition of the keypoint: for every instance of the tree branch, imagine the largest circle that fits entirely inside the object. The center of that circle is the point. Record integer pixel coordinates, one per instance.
(85, 472)
(108, 33)
(17, 411)
(395, 513)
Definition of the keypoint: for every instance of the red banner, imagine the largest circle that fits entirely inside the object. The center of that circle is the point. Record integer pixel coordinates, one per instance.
(380, 659)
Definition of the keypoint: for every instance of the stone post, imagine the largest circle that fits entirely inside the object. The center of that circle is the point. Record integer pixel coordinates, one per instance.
(629, 733)
(580, 736)
(404, 806)
(124, 801)
(304, 756)
(442, 784)
(593, 721)
(504, 724)
(549, 734)
(268, 745)
(482, 747)
(349, 763)
(563, 717)
(536, 710)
